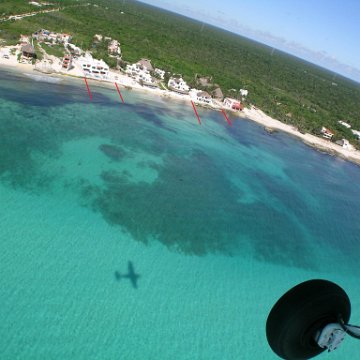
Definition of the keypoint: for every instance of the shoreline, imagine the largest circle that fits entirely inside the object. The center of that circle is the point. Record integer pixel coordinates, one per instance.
(313, 141)
(252, 114)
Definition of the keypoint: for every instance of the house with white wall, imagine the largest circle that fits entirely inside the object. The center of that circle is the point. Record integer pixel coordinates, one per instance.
(114, 48)
(345, 144)
(160, 72)
(204, 97)
(232, 104)
(92, 67)
(140, 73)
(179, 85)
(327, 133)
(343, 123)
(356, 133)
(244, 92)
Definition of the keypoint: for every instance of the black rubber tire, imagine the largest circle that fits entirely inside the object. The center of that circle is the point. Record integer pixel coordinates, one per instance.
(299, 314)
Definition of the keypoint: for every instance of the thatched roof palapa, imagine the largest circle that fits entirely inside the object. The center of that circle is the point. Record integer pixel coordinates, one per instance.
(218, 94)
(28, 49)
(146, 64)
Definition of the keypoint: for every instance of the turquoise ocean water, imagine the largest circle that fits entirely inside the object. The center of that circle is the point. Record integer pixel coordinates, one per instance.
(218, 221)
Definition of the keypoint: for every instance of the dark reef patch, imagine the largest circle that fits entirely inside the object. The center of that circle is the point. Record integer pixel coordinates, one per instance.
(40, 94)
(193, 208)
(115, 153)
(153, 115)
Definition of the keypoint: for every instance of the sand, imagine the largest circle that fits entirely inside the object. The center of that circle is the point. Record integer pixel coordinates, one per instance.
(311, 140)
(253, 113)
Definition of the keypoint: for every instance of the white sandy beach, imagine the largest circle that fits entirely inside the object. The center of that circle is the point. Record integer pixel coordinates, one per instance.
(311, 140)
(253, 114)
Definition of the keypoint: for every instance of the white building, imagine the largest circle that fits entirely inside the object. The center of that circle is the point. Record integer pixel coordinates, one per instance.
(64, 38)
(146, 64)
(203, 97)
(327, 134)
(43, 35)
(67, 62)
(141, 74)
(161, 73)
(356, 133)
(145, 79)
(345, 144)
(114, 48)
(343, 123)
(178, 85)
(133, 70)
(93, 68)
(232, 104)
(244, 92)
(74, 49)
(98, 37)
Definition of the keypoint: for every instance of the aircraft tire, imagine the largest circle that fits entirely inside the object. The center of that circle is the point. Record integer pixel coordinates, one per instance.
(300, 313)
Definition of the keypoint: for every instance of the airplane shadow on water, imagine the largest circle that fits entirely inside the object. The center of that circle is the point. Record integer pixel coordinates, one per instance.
(131, 275)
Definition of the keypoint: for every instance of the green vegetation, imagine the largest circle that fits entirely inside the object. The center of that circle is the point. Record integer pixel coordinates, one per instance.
(14, 7)
(99, 50)
(285, 87)
(38, 48)
(56, 50)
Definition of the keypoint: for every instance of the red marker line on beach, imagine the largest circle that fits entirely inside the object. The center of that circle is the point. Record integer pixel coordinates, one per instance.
(195, 111)
(118, 90)
(226, 117)
(88, 89)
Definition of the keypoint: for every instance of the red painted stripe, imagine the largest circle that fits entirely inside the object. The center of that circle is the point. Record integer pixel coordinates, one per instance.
(226, 117)
(118, 90)
(88, 89)
(196, 113)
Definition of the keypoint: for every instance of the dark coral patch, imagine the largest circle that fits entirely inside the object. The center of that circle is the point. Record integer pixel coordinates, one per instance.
(193, 208)
(115, 153)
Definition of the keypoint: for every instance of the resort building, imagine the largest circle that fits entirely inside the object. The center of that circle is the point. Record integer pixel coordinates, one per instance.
(244, 92)
(114, 48)
(345, 144)
(46, 35)
(98, 37)
(161, 73)
(203, 97)
(28, 51)
(141, 74)
(356, 133)
(64, 38)
(93, 68)
(233, 104)
(178, 85)
(326, 133)
(74, 49)
(67, 62)
(144, 78)
(143, 65)
(133, 70)
(146, 64)
(343, 123)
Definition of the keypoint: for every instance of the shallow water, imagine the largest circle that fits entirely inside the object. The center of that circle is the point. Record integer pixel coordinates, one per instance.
(218, 221)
